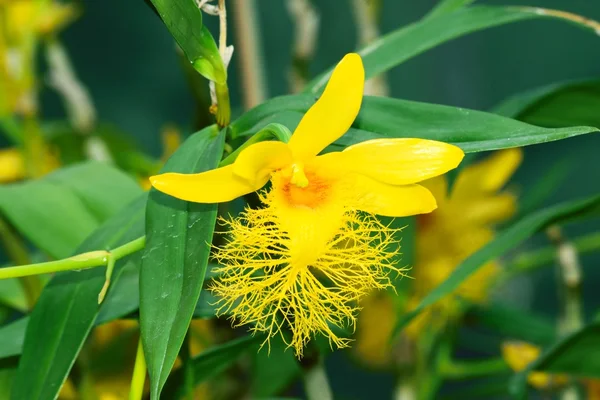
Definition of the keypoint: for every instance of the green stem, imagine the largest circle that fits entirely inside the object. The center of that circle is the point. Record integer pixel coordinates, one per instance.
(532, 260)
(91, 259)
(139, 374)
(223, 105)
(271, 131)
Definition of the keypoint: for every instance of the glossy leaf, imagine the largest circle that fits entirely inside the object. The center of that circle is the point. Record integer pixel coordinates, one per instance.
(575, 355)
(67, 308)
(76, 200)
(379, 117)
(183, 18)
(210, 363)
(407, 42)
(178, 237)
(504, 241)
(557, 105)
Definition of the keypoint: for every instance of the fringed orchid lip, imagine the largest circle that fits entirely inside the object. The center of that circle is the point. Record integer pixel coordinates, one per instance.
(316, 248)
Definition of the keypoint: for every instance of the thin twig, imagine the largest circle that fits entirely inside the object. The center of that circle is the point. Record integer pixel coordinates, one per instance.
(306, 21)
(76, 97)
(366, 14)
(250, 53)
(569, 271)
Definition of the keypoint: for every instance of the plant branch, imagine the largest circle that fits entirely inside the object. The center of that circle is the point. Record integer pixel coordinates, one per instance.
(316, 383)
(88, 260)
(569, 273)
(366, 14)
(306, 22)
(250, 53)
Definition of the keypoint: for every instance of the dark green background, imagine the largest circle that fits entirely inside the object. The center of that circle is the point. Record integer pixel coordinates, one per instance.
(126, 57)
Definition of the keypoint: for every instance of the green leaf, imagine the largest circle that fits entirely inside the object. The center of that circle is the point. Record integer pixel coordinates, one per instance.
(506, 240)
(210, 363)
(178, 237)
(513, 323)
(379, 117)
(183, 18)
(575, 355)
(401, 45)
(12, 294)
(557, 105)
(69, 203)
(6, 381)
(67, 308)
(447, 6)
(103, 189)
(473, 131)
(11, 338)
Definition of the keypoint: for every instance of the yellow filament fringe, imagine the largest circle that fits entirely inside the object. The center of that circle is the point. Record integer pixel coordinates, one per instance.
(262, 284)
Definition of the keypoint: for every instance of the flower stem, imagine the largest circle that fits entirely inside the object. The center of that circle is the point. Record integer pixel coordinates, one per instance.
(569, 272)
(316, 384)
(91, 259)
(139, 374)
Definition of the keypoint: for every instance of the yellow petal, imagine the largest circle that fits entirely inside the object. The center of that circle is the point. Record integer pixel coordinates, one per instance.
(438, 186)
(402, 161)
(215, 186)
(488, 175)
(12, 167)
(332, 115)
(257, 161)
(488, 210)
(380, 198)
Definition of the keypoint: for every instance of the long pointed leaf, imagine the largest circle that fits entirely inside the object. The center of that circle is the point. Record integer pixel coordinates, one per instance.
(178, 237)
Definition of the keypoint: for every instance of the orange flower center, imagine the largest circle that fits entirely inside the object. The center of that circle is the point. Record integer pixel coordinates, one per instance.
(302, 188)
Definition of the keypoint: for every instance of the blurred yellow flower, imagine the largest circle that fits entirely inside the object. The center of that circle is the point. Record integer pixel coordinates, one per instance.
(374, 328)
(312, 229)
(22, 23)
(460, 226)
(11, 165)
(518, 355)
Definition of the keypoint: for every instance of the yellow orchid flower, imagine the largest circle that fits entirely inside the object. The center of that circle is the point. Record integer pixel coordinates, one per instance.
(461, 225)
(518, 355)
(317, 225)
